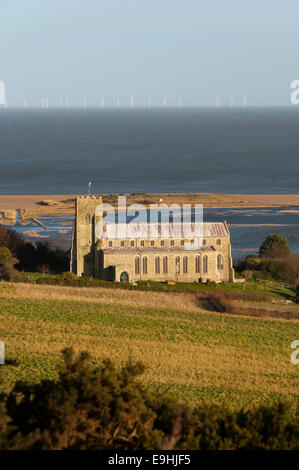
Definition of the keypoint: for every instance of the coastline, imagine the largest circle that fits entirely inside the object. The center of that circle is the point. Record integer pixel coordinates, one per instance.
(30, 206)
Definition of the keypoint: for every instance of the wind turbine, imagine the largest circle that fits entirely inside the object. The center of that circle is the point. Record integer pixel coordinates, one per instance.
(132, 102)
(45, 103)
(2, 92)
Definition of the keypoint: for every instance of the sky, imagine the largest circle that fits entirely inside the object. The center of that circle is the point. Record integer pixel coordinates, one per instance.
(194, 49)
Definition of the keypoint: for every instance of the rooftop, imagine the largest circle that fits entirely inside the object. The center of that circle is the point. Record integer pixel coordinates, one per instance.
(165, 230)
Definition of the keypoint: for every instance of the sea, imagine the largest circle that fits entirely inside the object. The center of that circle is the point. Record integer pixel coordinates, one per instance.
(225, 150)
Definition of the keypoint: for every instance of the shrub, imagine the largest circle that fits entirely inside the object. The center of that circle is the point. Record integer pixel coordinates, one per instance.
(286, 269)
(267, 427)
(7, 263)
(87, 408)
(68, 276)
(222, 301)
(219, 302)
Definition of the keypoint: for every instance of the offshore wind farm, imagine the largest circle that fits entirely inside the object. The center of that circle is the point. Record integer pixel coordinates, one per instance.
(115, 102)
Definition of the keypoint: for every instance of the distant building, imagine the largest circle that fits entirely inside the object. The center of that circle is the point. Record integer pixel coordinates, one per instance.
(134, 256)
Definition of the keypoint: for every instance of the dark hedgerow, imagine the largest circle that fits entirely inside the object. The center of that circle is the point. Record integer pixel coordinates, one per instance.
(103, 407)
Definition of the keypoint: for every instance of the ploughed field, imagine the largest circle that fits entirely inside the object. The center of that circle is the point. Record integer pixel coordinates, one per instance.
(190, 352)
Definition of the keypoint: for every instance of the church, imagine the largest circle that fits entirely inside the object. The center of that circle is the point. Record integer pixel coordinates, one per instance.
(135, 255)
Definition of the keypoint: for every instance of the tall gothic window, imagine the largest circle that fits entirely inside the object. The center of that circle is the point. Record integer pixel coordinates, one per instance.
(205, 264)
(144, 265)
(185, 264)
(137, 265)
(197, 264)
(165, 265)
(177, 265)
(219, 262)
(157, 265)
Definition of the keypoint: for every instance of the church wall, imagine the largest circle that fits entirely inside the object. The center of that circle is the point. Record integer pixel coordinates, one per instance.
(124, 262)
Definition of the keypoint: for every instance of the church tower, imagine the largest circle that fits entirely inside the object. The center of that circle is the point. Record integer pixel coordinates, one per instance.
(84, 253)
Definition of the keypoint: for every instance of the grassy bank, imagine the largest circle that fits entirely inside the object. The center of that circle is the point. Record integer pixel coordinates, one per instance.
(270, 289)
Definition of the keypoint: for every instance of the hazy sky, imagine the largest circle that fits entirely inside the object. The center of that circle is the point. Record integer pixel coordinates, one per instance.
(196, 49)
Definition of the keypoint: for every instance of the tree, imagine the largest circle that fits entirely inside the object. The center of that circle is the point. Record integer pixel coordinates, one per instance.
(88, 407)
(274, 246)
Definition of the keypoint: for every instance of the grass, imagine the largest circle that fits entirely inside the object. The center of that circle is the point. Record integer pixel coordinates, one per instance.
(194, 355)
(270, 288)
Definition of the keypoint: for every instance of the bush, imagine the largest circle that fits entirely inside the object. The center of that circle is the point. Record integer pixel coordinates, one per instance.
(286, 269)
(87, 408)
(219, 302)
(7, 263)
(250, 263)
(104, 407)
(267, 427)
(222, 301)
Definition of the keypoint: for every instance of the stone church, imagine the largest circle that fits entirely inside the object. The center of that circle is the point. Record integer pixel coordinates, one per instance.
(135, 256)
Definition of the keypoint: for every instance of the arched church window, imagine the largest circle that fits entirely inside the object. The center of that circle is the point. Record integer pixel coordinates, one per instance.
(219, 262)
(137, 265)
(157, 265)
(165, 265)
(177, 265)
(144, 265)
(185, 264)
(197, 264)
(205, 264)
